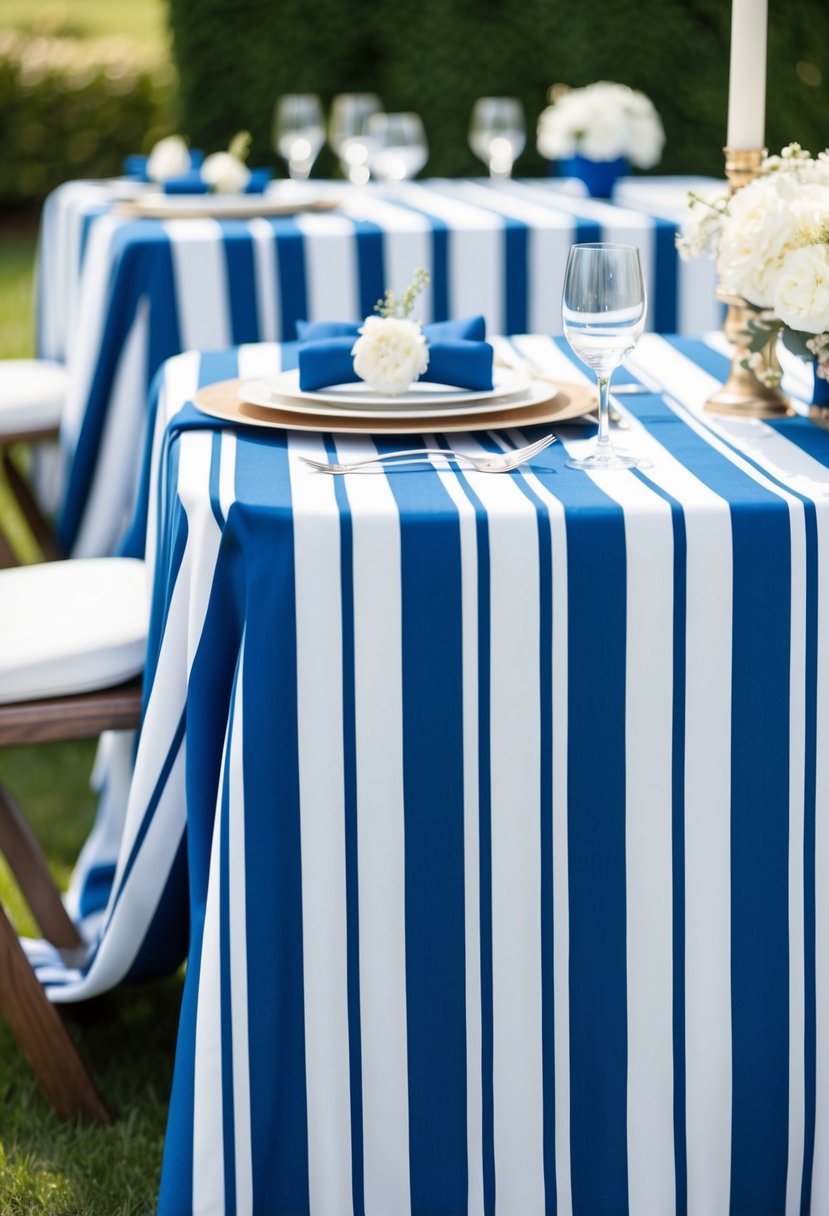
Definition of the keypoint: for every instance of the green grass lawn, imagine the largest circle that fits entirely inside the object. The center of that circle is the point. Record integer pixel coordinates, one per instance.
(128, 1037)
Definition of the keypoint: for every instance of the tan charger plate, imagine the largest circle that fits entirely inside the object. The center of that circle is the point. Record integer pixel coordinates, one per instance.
(222, 401)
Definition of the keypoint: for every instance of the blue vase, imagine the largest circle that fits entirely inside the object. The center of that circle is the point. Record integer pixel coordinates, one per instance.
(599, 176)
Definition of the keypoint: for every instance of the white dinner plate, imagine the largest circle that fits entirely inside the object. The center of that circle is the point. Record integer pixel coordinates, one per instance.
(422, 400)
(157, 206)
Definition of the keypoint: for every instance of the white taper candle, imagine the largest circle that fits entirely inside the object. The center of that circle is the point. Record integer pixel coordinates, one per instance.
(747, 80)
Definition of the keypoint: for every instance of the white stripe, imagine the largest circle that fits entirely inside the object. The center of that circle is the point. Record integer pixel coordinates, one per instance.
(322, 817)
(515, 833)
(202, 291)
(471, 838)
(407, 243)
(179, 383)
(268, 301)
(208, 1097)
(380, 840)
(560, 875)
(476, 253)
(238, 960)
(331, 267)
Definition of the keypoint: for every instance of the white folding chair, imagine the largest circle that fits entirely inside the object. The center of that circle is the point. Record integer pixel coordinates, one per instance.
(32, 395)
(72, 645)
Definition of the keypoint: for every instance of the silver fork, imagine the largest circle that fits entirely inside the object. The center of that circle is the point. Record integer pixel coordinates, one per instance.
(483, 464)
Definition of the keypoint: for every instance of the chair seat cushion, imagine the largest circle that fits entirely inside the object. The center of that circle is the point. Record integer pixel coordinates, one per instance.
(71, 627)
(32, 393)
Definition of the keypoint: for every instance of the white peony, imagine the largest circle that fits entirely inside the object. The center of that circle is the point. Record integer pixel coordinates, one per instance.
(225, 173)
(169, 158)
(602, 122)
(801, 294)
(390, 354)
(763, 225)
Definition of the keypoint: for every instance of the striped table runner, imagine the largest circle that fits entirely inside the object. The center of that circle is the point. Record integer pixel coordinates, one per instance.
(118, 297)
(505, 816)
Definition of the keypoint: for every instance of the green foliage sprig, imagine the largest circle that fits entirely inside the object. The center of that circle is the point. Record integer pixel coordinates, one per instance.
(391, 306)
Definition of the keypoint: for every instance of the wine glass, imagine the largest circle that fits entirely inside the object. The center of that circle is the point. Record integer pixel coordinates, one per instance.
(298, 132)
(349, 133)
(398, 149)
(603, 311)
(497, 133)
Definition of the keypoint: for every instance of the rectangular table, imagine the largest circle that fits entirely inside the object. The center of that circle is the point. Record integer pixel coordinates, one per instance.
(506, 815)
(118, 296)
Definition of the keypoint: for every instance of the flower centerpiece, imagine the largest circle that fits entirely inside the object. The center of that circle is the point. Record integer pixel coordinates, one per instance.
(226, 172)
(391, 351)
(169, 158)
(771, 242)
(595, 131)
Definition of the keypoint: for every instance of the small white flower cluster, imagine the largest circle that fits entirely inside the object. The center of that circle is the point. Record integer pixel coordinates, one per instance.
(771, 242)
(601, 122)
(224, 172)
(392, 350)
(390, 353)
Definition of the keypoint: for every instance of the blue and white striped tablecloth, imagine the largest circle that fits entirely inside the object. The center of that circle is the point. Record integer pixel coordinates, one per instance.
(118, 296)
(508, 826)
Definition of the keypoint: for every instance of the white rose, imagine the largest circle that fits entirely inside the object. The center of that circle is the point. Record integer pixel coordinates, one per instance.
(169, 158)
(390, 353)
(225, 173)
(604, 138)
(761, 228)
(801, 297)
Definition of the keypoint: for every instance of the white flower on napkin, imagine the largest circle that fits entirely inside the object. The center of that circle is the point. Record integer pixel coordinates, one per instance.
(169, 158)
(225, 173)
(390, 354)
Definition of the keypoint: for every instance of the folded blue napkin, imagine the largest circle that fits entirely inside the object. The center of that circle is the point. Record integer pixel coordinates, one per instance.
(458, 354)
(135, 167)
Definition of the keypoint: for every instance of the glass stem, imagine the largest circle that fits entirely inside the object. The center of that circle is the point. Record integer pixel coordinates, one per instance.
(603, 444)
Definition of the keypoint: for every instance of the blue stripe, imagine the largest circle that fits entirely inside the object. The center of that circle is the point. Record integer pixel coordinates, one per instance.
(141, 266)
(226, 1005)
(260, 532)
(586, 231)
(809, 875)
(214, 479)
(87, 219)
(665, 303)
(370, 266)
(237, 244)
(355, 1057)
(289, 250)
(432, 651)
(441, 234)
(596, 845)
(516, 256)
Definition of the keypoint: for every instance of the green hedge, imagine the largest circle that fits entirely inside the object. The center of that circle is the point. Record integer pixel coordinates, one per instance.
(437, 56)
(72, 108)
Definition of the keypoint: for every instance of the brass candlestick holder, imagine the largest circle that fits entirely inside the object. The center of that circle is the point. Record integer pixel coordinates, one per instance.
(744, 395)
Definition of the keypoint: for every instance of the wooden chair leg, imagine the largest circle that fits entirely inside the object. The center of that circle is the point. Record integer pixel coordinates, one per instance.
(8, 557)
(39, 525)
(28, 864)
(42, 1036)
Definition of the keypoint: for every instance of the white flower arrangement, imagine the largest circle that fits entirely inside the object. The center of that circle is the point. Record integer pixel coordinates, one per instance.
(170, 157)
(601, 122)
(226, 172)
(771, 242)
(392, 351)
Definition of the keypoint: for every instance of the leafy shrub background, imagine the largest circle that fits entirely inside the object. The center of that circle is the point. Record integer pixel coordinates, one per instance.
(436, 56)
(73, 108)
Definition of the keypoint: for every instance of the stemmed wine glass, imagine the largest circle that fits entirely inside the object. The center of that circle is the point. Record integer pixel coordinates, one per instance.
(497, 133)
(349, 133)
(603, 311)
(398, 148)
(298, 132)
